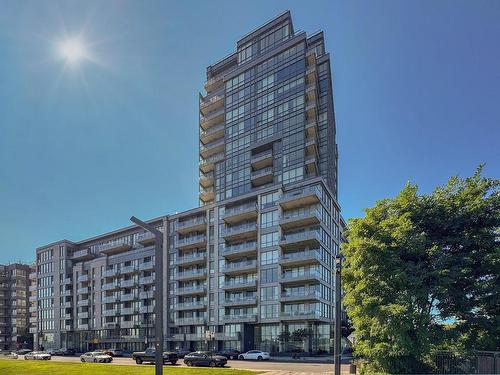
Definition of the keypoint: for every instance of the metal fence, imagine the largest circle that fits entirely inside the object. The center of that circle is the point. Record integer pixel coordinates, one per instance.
(479, 362)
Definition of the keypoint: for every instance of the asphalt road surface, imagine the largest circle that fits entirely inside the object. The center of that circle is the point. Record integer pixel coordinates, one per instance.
(274, 367)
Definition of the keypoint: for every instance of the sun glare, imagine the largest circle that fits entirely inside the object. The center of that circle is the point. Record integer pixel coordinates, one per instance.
(73, 51)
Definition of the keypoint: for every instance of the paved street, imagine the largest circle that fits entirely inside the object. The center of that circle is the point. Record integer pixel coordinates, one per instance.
(271, 367)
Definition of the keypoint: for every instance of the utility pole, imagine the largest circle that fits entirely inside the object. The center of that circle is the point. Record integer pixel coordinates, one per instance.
(337, 354)
(158, 292)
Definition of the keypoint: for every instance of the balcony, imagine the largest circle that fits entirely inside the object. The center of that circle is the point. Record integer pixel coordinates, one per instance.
(67, 280)
(191, 290)
(197, 320)
(33, 319)
(208, 164)
(207, 195)
(302, 315)
(83, 315)
(310, 295)
(262, 159)
(191, 259)
(311, 58)
(128, 324)
(192, 274)
(145, 238)
(129, 311)
(262, 176)
(298, 198)
(207, 179)
(198, 305)
(214, 83)
(251, 318)
(83, 278)
(212, 102)
(110, 299)
(82, 302)
(241, 285)
(240, 301)
(33, 330)
(66, 292)
(308, 238)
(300, 258)
(311, 73)
(32, 309)
(300, 218)
(242, 212)
(83, 254)
(32, 288)
(125, 297)
(147, 280)
(196, 224)
(109, 286)
(149, 309)
(212, 148)
(311, 146)
(212, 118)
(239, 250)
(239, 267)
(128, 283)
(146, 266)
(195, 337)
(311, 165)
(191, 241)
(83, 290)
(146, 294)
(212, 134)
(128, 270)
(176, 337)
(110, 272)
(311, 110)
(311, 129)
(83, 327)
(220, 336)
(113, 248)
(109, 325)
(32, 275)
(240, 231)
(296, 277)
(311, 91)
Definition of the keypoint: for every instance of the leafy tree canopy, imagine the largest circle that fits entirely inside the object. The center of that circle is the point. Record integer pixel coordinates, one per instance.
(421, 272)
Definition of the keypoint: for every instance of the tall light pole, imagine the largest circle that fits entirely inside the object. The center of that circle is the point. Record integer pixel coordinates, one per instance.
(337, 354)
(158, 309)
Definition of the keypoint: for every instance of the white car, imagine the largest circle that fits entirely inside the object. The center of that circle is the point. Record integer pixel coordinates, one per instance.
(254, 354)
(8, 355)
(96, 357)
(38, 356)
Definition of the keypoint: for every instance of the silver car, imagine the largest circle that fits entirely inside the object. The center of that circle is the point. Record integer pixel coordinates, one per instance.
(42, 356)
(8, 355)
(96, 357)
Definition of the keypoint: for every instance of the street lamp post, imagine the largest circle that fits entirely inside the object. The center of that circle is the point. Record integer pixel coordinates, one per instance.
(338, 295)
(158, 309)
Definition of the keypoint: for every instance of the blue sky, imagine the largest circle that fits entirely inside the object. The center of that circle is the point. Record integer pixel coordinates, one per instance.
(417, 96)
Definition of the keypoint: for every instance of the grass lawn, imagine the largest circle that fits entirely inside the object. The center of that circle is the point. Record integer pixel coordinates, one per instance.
(22, 367)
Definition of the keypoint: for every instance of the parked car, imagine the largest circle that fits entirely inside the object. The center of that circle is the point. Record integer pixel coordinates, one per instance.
(205, 359)
(230, 353)
(65, 351)
(182, 352)
(149, 355)
(7, 354)
(113, 352)
(255, 354)
(97, 357)
(42, 356)
(52, 351)
(23, 351)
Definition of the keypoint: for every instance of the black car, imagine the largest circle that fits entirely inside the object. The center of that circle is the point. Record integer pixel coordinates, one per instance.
(66, 351)
(230, 353)
(183, 352)
(204, 359)
(23, 351)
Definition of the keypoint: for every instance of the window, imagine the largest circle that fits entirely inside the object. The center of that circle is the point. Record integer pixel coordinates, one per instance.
(269, 219)
(269, 200)
(269, 257)
(269, 293)
(245, 53)
(269, 275)
(269, 311)
(269, 239)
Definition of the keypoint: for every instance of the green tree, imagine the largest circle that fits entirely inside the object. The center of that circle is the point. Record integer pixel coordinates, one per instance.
(417, 261)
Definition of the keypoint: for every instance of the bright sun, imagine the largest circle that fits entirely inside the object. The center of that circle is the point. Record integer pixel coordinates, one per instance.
(73, 51)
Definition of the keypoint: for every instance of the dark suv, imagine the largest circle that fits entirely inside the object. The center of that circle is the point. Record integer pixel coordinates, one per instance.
(205, 359)
(230, 353)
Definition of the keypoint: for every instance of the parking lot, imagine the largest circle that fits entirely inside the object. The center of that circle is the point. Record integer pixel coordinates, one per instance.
(271, 367)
